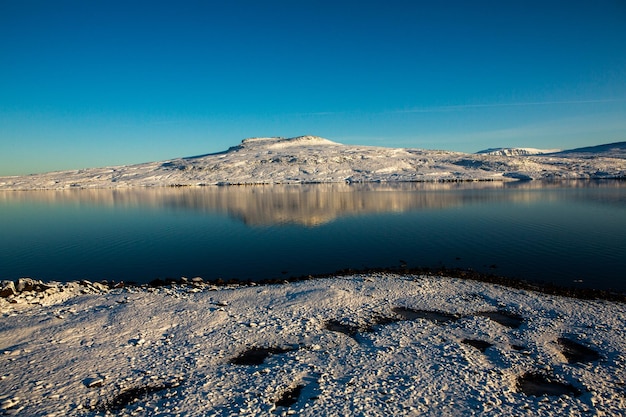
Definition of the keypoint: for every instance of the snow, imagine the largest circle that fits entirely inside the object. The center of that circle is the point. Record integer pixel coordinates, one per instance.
(311, 159)
(281, 143)
(377, 344)
(516, 151)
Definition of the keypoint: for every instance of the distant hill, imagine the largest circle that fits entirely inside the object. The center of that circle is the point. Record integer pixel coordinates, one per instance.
(516, 151)
(611, 150)
(311, 159)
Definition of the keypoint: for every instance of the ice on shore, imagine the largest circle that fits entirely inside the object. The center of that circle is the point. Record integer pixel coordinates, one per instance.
(377, 344)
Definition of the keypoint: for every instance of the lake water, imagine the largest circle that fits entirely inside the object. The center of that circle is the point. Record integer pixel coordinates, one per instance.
(560, 233)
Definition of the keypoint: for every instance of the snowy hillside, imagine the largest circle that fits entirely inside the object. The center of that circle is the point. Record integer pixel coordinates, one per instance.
(613, 150)
(310, 159)
(364, 345)
(516, 151)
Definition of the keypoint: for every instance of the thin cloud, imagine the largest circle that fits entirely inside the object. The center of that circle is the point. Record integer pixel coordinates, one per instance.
(459, 107)
(496, 105)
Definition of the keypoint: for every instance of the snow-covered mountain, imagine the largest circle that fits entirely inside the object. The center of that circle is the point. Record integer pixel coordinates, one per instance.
(516, 151)
(613, 150)
(311, 159)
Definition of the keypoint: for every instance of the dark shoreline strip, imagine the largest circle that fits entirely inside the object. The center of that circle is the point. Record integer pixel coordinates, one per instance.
(545, 288)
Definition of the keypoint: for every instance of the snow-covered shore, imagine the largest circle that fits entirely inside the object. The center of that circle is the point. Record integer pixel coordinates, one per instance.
(372, 344)
(310, 159)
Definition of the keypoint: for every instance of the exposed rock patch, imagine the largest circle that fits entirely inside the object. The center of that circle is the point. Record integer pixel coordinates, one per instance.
(575, 352)
(437, 317)
(539, 384)
(290, 397)
(478, 344)
(131, 395)
(256, 355)
(504, 318)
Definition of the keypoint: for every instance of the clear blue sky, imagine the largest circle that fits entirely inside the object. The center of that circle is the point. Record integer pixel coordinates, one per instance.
(93, 83)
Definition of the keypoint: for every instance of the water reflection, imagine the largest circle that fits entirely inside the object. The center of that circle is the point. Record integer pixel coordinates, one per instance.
(317, 204)
(568, 233)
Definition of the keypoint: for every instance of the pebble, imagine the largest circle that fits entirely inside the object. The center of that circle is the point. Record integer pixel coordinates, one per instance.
(94, 382)
(137, 342)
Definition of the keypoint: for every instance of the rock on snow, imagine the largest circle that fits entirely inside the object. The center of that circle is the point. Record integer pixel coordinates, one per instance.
(373, 345)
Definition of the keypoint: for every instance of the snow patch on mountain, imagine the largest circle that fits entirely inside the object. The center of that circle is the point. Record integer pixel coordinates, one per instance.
(516, 151)
(279, 143)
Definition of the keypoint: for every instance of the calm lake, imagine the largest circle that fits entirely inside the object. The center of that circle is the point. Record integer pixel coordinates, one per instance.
(561, 233)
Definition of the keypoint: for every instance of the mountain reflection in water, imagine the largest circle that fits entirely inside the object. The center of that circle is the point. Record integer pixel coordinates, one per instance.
(316, 204)
(570, 233)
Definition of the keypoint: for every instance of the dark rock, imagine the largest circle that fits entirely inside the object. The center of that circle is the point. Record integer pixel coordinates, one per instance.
(339, 327)
(520, 348)
(478, 344)
(538, 384)
(93, 382)
(131, 395)
(8, 289)
(574, 352)
(504, 318)
(379, 321)
(437, 317)
(290, 397)
(256, 355)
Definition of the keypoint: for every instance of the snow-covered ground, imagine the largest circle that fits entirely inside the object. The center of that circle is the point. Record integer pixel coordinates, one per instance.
(517, 151)
(371, 345)
(310, 159)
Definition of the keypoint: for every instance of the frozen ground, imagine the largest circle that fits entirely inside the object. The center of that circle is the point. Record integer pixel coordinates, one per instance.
(375, 345)
(310, 159)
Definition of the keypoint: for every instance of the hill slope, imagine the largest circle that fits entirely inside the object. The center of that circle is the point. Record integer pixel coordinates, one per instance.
(370, 345)
(516, 151)
(310, 159)
(613, 150)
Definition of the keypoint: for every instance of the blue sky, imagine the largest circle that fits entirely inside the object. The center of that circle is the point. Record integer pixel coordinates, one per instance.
(96, 83)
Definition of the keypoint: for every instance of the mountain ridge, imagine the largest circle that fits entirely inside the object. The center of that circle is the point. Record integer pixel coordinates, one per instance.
(313, 159)
(516, 151)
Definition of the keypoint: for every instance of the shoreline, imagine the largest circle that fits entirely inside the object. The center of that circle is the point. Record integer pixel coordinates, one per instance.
(18, 291)
(467, 274)
(503, 180)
